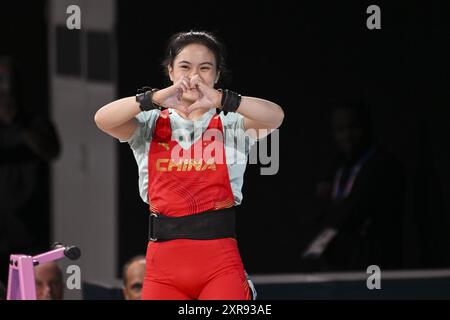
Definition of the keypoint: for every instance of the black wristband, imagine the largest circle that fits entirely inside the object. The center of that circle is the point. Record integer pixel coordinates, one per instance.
(144, 97)
(230, 101)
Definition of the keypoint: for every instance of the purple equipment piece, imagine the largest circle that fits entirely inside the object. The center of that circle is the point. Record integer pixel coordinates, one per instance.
(21, 282)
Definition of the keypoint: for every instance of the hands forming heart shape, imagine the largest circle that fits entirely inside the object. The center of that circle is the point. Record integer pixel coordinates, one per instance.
(171, 97)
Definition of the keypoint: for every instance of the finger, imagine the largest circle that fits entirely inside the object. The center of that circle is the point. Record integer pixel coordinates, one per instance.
(179, 81)
(202, 89)
(178, 94)
(190, 83)
(175, 87)
(195, 79)
(182, 81)
(185, 83)
(184, 87)
(201, 85)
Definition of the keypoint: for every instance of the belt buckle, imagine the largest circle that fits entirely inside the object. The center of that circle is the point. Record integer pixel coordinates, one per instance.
(151, 238)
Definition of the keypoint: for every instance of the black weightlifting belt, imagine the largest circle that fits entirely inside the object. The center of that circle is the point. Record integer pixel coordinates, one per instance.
(207, 225)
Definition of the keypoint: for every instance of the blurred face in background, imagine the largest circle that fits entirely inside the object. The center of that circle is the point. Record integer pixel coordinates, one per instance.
(349, 133)
(134, 279)
(49, 281)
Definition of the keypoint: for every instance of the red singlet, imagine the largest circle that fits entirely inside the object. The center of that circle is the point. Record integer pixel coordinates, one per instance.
(190, 184)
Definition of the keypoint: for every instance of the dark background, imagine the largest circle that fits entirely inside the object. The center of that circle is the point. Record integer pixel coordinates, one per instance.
(303, 56)
(23, 36)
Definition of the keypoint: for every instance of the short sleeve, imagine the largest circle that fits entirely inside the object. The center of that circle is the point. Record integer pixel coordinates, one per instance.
(233, 124)
(240, 129)
(143, 133)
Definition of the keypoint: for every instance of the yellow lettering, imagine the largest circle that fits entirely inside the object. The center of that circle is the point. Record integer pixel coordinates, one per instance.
(173, 164)
(210, 164)
(197, 165)
(185, 165)
(158, 164)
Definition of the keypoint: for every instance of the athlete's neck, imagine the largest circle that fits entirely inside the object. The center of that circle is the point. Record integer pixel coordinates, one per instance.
(194, 115)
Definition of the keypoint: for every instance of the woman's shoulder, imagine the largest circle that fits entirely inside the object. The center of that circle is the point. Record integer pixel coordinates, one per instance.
(231, 119)
(148, 116)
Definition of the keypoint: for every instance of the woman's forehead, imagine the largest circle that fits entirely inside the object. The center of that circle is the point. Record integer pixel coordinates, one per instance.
(195, 53)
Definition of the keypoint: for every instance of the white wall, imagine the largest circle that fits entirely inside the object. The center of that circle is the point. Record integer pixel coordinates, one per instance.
(84, 178)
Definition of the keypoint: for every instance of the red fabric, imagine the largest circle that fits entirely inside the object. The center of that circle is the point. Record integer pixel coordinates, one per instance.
(185, 269)
(183, 182)
(181, 186)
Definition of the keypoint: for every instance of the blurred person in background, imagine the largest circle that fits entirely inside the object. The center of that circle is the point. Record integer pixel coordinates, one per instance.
(133, 278)
(362, 202)
(49, 281)
(28, 142)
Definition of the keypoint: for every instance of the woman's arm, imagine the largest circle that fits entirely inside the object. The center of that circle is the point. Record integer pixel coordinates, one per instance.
(117, 118)
(260, 114)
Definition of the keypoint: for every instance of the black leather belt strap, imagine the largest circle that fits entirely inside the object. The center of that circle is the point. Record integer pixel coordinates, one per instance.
(201, 226)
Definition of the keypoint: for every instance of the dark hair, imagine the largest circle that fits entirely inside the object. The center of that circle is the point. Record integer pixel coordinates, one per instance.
(359, 109)
(128, 264)
(181, 39)
(362, 115)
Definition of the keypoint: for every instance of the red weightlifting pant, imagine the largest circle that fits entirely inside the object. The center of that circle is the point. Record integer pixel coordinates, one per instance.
(195, 269)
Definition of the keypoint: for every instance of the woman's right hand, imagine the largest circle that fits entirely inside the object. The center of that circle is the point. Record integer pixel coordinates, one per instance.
(170, 97)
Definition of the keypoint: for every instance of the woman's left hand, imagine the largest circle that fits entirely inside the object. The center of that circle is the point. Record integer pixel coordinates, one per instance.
(208, 97)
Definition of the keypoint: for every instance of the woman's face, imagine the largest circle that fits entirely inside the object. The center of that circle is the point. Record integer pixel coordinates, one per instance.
(194, 59)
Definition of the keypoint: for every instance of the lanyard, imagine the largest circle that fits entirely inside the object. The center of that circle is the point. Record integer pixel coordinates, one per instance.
(342, 193)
